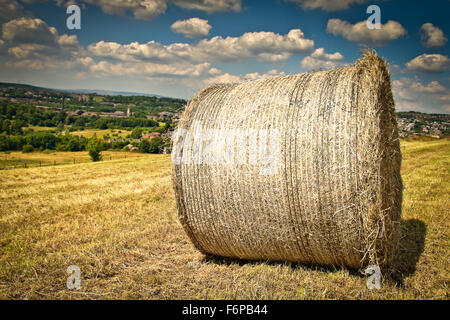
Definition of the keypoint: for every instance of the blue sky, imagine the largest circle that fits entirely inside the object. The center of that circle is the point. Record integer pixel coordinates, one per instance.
(176, 47)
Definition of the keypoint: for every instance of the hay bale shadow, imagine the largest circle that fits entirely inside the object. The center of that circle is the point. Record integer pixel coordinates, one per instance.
(410, 248)
(227, 261)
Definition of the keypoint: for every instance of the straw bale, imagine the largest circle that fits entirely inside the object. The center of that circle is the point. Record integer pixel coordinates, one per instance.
(334, 197)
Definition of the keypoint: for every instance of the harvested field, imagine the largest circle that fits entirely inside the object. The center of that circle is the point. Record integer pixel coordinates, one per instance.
(117, 221)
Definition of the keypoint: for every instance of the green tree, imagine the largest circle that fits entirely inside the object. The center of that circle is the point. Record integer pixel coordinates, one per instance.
(73, 145)
(60, 126)
(94, 148)
(16, 127)
(156, 144)
(137, 133)
(144, 146)
(27, 148)
(79, 122)
(102, 124)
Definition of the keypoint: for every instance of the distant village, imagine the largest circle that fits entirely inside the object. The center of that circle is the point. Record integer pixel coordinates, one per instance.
(423, 124)
(58, 104)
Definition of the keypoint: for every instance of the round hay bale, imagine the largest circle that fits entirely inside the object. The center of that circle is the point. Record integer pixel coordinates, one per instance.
(302, 168)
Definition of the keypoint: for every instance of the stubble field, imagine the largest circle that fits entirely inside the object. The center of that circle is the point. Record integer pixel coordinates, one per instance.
(116, 220)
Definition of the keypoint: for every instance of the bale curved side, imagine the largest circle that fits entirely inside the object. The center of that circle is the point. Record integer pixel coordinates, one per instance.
(335, 198)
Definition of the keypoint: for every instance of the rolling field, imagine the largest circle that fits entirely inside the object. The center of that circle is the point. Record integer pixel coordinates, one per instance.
(87, 133)
(114, 133)
(39, 128)
(116, 220)
(17, 159)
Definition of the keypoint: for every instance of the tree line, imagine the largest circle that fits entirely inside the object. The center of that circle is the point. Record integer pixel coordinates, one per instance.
(15, 116)
(15, 133)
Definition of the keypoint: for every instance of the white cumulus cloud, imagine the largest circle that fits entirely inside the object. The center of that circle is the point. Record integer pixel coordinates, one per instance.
(31, 43)
(327, 5)
(29, 30)
(262, 46)
(149, 9)
(320, 54)
(432, 36)
(191, 28)
(141, 9)
(428, 63)
(227, 78)
(362, 35)
(210, 5)
(319, 60)
(150, 69)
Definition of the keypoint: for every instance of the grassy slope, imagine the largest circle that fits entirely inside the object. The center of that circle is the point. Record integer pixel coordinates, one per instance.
(117, 221)
(35, 159)
(39, 128)
(87, 133)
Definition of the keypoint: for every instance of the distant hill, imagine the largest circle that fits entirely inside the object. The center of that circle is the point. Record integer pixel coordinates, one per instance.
(111, 93)
(421, 115)
(79, 91)
(24, 86)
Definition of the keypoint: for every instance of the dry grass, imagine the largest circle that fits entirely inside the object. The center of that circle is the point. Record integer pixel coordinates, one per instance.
(88, 133)
(114, 133)
(13, 160)
(39, 128)
(117, 221)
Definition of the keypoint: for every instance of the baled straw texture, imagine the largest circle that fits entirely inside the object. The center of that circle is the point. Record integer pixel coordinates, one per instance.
(336, 197)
